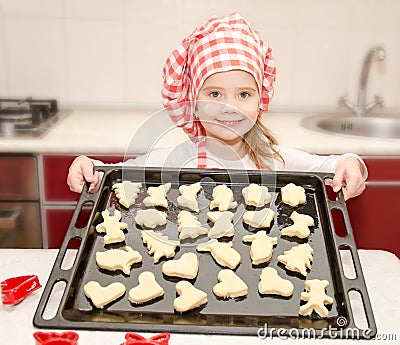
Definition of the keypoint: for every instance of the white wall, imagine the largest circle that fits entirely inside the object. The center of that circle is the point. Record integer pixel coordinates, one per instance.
(113, 51)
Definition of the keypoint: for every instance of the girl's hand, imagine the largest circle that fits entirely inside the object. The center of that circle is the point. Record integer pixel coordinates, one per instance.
(349, 177)
(81, 170)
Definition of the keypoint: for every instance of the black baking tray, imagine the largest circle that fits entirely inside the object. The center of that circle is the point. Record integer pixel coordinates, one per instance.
(254, 314)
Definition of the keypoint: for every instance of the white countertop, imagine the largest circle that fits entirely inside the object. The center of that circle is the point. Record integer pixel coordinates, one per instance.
(106, 131)
(381, 272)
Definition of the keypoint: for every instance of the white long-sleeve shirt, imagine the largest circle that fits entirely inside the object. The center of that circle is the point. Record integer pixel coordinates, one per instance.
(185, 156)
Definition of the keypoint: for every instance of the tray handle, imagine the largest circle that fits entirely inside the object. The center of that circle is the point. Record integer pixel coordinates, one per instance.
(357, 283)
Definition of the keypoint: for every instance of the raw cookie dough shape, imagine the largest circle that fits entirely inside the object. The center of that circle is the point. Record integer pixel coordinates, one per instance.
(256, 195)
(298, 258)
(189, 226)
(159, 244)
(189, 297)
(272, 284)
(147, 290)
(222, 252)
(157, 195)
(316, 298)
(185, 267)
(300, 229)
(293, 195)
(230, 285)
(150, 218)
(118, 259)
(261, 246)
(188, 197)
(223, 226)
(259, 219)
(100, 296)
(127, 192)
(112, 227)
(222, 198)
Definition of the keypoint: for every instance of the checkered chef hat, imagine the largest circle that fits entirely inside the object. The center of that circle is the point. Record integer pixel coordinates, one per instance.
(219, 45)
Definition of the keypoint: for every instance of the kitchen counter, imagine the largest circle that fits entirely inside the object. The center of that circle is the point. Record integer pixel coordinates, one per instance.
(381, 272)
(102, 131)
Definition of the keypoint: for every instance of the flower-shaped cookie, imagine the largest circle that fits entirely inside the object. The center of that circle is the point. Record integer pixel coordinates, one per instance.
(293, 195)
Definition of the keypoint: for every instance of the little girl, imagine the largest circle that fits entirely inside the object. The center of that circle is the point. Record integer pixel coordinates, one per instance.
(216, 86)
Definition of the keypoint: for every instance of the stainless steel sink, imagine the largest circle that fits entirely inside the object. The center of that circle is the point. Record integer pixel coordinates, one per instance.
(384, 127)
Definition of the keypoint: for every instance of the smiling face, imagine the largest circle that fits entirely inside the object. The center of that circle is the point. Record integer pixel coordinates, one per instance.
(227, 106)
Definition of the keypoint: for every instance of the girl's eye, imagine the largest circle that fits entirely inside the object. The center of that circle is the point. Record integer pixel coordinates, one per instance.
(214, 94)
(244, 94)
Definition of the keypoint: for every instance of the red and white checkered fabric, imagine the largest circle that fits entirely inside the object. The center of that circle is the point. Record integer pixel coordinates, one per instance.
(219, 45)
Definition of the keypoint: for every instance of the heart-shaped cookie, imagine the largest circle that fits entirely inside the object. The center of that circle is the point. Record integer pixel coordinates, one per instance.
(100, 296)
(189, 296)
(230, 285)
(185, 267)
(271, 283)
(147, 289)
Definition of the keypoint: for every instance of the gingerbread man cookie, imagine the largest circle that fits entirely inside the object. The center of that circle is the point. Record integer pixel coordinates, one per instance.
(188, 197)
(189, 297)
(271, 284)
(261, 246)
(147, 289)
(230, 285)
(189, 226)
(298, 258)
(118, 259)
(316, 298)
(157, 196)
(300, 229)
(293, 195)
(256, 195)
(222, 252)
(100, 296)
(126, 192)
(159, 244)
(259, 219)
(223, 226)
(112, 227)
(222, 198)
(150, 218)
(185, 267)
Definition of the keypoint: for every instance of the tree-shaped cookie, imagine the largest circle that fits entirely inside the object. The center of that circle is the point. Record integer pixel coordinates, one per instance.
(222, 198)
(159, 244)
(272, 284)
(127, 192)
(189, 226)
(223, 226)
(147, 289)
(298, 258)
(188, 197)
(259, 219)
(300, 229)
(150, 218)
(261, 246)
(293, 195)
(316, 298)
(112, 227)
(230, 285)
(256, 195)
(222, 252)
(157, 196)
(118, 259)
(189, 297)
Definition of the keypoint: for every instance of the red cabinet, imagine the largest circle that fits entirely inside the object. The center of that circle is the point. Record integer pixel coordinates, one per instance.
(58, 202)
(373, 215)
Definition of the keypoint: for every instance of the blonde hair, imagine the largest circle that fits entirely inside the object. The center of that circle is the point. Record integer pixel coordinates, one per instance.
(260, 145)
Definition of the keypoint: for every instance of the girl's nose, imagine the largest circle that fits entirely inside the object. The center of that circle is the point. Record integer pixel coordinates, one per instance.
(229, 109)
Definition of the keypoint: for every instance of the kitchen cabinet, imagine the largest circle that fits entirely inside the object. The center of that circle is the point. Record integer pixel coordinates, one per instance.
(57, 201)
(373, 215)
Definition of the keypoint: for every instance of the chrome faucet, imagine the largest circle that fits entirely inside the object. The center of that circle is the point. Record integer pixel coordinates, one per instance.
(362, 107)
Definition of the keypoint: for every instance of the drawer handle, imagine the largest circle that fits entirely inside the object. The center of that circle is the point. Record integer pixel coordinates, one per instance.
(9, 219)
